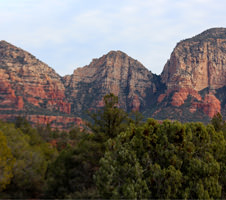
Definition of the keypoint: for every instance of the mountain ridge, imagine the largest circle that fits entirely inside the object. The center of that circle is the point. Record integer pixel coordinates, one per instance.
(190, 87)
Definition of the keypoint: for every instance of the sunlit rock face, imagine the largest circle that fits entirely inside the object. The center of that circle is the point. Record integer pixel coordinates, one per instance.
(198, 62)
(27, 85)
(192, 86)
(195, 65)
(114, 72)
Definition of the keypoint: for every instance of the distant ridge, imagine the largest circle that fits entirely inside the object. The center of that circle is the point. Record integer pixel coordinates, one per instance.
(192, 86)
(212, 33)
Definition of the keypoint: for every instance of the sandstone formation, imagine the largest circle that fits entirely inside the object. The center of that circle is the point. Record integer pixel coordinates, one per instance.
(56, 122)
(192, 86)
(114, 72)
(28, 85)
(197, 64)
(30, 80)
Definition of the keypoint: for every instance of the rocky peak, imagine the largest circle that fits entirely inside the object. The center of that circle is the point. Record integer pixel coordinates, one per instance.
(27, 84)
(199, 62)
(191, 87)
(212, 33)
(4, 43)
(14, 57)
(195, 65)
(114, 72)
(12, 54)
(114, 54)
(113, 64)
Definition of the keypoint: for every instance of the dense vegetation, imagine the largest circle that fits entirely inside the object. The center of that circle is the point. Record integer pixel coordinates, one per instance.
(115, 156)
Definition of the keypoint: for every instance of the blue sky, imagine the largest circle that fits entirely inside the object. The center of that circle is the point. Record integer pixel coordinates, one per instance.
(67, 34)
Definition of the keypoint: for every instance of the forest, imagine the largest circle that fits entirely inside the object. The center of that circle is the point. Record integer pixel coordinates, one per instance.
(114, 156)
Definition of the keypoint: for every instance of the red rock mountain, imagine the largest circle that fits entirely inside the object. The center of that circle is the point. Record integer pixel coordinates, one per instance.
(29, 87)
(191, 87)
(117, 73)
(196, 75)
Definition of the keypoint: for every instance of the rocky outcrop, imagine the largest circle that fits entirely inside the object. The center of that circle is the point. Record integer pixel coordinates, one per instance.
(197, 64)
(210, 105)
(192, 86)
(26, 80)
(28, 85)
(181, 95)
(114, 72)
(55, 122)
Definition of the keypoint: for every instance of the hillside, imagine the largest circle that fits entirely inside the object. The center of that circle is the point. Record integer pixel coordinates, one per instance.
(192, 86)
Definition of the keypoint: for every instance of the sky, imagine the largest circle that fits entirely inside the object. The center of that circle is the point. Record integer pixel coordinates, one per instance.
(66, 34)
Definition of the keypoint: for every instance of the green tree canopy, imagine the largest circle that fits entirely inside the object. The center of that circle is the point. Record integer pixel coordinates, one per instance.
(168, 160)
(109, 121)
(79, 164)
(218, 123)
(31, 160)
(6, 163)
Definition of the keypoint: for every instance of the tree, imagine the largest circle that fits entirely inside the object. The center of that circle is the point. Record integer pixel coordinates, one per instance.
(6, 163)
(109, 121)
(218, 123)
(120, 175)
(82, 161)
(31, 160)
(169, 160)
(58, 175)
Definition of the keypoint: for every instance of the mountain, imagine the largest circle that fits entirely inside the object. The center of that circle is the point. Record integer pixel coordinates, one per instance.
(195, 76)
(192, 86)
(30, 87)
(114, 72)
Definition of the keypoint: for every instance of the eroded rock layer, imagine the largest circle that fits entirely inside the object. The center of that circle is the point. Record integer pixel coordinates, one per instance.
(192, 86)
(197, 64)
(117, 73)
(29, 86)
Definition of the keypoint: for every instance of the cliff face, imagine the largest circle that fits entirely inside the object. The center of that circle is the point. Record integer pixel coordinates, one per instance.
(195, 65)
(192, 86)
(28, 86)
(117, 73)
(198, 62)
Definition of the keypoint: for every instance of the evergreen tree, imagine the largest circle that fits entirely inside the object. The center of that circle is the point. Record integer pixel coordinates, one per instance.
(82, 161)
(168, 160)
(6, 163)
(31, 160)
(218, 123)
(110, 120)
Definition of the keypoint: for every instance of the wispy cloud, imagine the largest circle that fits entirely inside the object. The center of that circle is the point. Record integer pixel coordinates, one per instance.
(69, 33)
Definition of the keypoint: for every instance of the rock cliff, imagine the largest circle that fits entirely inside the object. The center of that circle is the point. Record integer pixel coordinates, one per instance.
(198, 62)
(192, 86)
(195, 65)
(28, 86)
(114, 72)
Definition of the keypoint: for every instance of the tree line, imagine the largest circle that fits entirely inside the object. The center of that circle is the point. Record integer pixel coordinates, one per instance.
(115, 156)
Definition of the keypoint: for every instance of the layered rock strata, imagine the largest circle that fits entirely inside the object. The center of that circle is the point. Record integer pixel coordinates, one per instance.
(195, 65)
(29, 86)
(114, 72)
(192, 86)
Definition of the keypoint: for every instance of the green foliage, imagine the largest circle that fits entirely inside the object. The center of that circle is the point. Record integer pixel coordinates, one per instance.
(81, 162)
(218, 123)
(58, 175)
(110, 120)
(169, 160)
(32, 156)
(70, 176)
(6, 163)
(117, 157)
